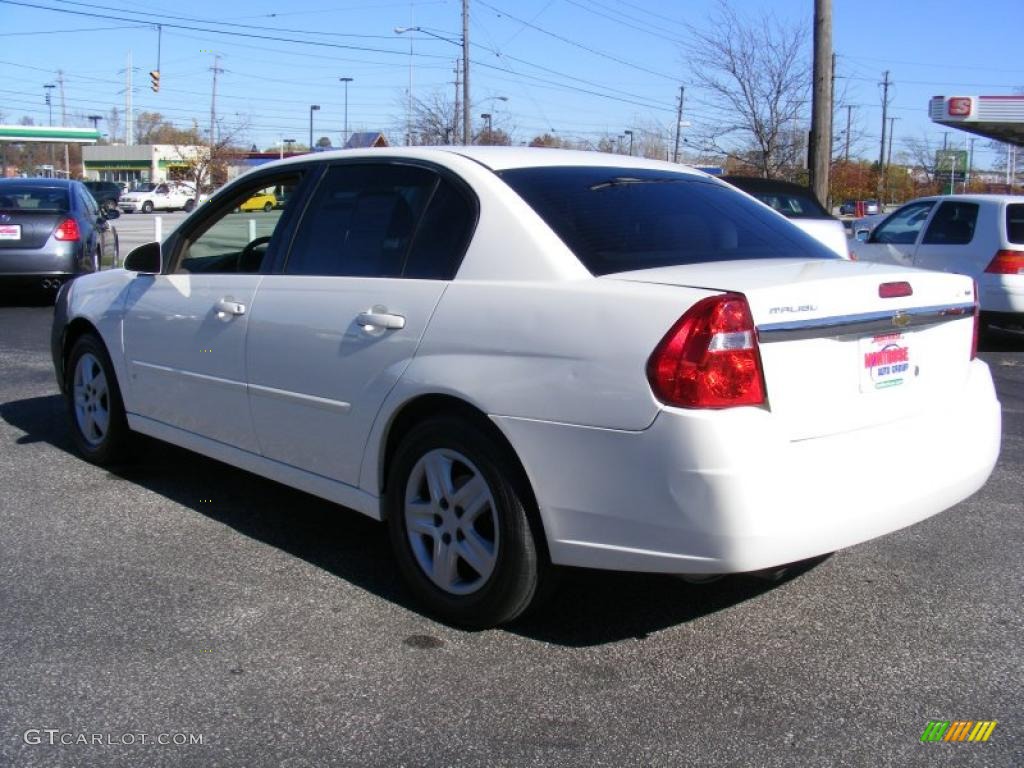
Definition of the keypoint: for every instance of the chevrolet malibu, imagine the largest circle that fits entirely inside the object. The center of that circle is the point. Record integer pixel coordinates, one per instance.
(528, 358)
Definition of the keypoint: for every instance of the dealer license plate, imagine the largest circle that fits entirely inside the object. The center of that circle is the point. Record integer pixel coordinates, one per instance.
(885, 361)
(10, 231)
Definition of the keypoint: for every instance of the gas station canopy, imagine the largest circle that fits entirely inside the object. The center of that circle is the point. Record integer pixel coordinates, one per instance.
(17, 134)
(994, 117)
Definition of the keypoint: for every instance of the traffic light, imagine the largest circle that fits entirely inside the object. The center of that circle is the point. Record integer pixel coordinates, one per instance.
(154, 76)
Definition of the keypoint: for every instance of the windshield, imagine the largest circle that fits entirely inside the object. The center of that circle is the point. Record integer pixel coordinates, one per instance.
(617, 220)
(33, 198)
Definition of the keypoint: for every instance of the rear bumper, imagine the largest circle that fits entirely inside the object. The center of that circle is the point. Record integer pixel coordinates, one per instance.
(1001, 293)
(726, 492)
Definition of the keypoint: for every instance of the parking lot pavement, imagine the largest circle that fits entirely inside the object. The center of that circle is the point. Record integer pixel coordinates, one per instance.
(134, 229)
(181, 599)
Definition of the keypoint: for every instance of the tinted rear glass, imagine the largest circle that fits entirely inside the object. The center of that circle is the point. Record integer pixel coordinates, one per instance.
(24, 197)
(621, 219)
(1015, 223)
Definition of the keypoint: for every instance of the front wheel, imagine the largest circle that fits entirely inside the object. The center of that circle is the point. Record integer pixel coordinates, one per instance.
(99, 428)
(459, 526)
(268, 207)
(189, 205)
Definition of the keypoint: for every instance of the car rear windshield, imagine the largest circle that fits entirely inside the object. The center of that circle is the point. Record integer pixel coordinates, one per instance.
(792, 205)
(1015, 223)
(24, 197)
(622, 219)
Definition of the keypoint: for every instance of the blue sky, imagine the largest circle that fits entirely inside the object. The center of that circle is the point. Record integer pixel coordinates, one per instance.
(581, 67)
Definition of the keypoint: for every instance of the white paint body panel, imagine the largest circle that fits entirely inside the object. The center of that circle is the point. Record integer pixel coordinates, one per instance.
(829, 232)
(557, 360)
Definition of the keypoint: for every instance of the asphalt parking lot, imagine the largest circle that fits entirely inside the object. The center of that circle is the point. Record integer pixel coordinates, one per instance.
(179, 599)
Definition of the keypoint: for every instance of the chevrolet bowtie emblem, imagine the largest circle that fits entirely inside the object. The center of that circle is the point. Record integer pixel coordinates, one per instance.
(901, 320)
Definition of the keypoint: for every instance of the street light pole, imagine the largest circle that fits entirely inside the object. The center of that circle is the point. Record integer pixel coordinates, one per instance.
(48, 90)
(487, 116)
(346, 81)
(312, 108)
(288, 143)
(630, 134)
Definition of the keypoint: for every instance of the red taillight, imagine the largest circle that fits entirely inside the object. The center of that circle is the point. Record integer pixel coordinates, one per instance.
(709, 358)
(894, 290)
(977, 323)
(67, 230)
(1006, 263)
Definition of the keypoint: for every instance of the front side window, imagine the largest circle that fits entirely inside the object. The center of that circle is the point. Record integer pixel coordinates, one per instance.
(952, 224)
(903, 227)
(623, 219)
(361, 221)
(236, 239)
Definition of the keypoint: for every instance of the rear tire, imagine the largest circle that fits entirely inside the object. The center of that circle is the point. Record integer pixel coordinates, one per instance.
(459, 526)
(99, 427)
(268, 207)
(189, 205)
(147, 207)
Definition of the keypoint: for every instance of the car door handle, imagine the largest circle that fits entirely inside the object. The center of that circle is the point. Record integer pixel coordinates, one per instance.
(376, 318)
(228, 306)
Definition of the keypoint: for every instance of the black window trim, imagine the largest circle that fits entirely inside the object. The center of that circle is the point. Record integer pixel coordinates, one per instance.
(442, 171)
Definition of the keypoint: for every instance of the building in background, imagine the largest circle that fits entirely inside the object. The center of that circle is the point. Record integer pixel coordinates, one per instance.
(143, 162)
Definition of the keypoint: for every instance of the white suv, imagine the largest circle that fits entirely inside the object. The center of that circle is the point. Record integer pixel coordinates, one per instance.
(166, 196)
(977, 235)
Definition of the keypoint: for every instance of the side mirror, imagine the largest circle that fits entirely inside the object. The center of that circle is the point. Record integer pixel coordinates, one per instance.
(144, 259)
(111, 213)
(863, 235)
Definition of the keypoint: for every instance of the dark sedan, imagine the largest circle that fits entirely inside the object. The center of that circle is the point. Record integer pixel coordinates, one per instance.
(50, 231)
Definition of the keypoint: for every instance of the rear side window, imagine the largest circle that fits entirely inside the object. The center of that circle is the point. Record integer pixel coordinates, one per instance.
(903, 227)
(622, 219)
(442, 235)
(361, 221)
(952, 224)
(1015, 223)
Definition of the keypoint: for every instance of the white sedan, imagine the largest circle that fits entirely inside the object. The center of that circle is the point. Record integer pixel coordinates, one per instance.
(981, 236)
(526, 358)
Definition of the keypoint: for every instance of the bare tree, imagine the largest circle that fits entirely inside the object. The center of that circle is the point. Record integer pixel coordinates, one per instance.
(921, 154)
(206, 165)
(433, 120)
(113, 124)
(757, 72)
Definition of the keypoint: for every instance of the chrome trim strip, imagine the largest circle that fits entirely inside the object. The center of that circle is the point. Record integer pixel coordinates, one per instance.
(229, 383)
(335, 406)
(868, 322)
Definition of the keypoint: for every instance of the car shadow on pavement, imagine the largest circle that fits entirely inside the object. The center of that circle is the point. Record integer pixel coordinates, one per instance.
(586, 607)
(1001, 340)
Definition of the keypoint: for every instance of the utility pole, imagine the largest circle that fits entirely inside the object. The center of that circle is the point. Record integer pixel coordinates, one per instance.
(129, 129)
(888, 161)
(467, 123)
(821, 101)
(213, 102)
(881, 152)
(846, 151)
(455, 113)
(63, 121)
(679, 123)
(346, 81)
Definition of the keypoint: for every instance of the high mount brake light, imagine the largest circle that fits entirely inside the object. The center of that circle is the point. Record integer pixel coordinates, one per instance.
(710, 357)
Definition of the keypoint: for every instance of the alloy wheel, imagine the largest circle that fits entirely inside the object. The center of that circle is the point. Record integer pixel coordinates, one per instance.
(92, 399)
(451, 521)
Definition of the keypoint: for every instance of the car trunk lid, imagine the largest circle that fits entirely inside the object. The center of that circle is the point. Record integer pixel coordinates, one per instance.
(27, 229)
(837, 356)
